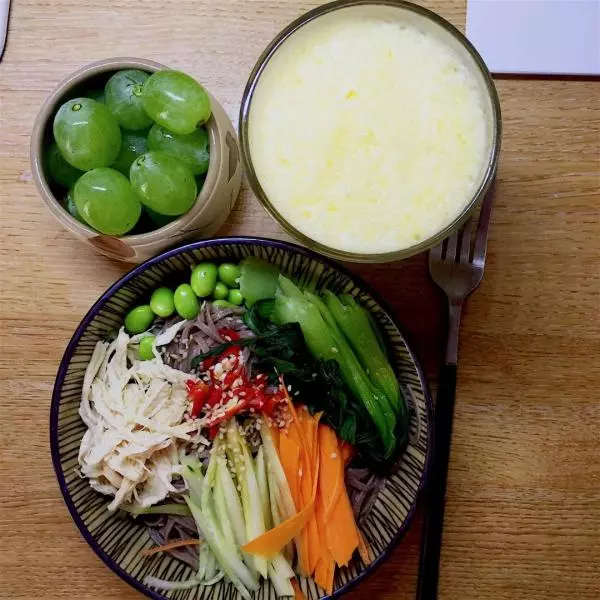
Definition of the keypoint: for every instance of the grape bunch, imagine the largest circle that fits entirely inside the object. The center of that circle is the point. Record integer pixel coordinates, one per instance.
(131, 157)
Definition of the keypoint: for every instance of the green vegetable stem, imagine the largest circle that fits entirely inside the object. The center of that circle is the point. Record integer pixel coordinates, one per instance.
(353, 320)
(258, 280)
(326, 342)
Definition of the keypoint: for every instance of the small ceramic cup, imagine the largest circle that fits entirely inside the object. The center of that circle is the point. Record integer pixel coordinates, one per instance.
(215, 200)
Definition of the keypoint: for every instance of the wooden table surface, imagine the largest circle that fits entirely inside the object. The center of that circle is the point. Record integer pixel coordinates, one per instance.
(523, 505)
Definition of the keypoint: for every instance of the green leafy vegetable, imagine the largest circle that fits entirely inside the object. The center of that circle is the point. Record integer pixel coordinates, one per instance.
(258, 279)
(326, 342)
(354, 321)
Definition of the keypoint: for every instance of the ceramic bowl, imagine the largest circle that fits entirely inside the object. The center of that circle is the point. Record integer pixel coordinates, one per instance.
(215, 200)
(119, 540)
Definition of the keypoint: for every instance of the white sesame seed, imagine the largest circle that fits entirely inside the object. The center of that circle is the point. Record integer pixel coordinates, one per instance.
(334, 455)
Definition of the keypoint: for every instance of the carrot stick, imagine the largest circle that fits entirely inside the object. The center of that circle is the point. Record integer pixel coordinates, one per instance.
(296, 422)
(326, 563)
(330, 576)
(271, 542)
(321, 574)
(303, 487)
(342, 536)
(315, 435)
(298, 431)
(298, 593)
(363, 548)
(347, 451)
(312, 531)
(332, 481)
(340, 528)
(289, 455)
(171, 546)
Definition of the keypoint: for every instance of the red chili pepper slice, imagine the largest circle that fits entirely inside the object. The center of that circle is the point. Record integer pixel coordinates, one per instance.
(198, 393)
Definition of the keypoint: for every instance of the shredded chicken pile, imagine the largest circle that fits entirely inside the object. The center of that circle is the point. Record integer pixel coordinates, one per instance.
(134, 411)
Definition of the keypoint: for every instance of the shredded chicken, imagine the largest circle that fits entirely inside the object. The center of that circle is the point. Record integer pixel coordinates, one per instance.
(134, 411)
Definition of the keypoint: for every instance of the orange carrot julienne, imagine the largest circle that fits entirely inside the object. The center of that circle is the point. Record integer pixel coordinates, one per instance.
(298, 593)
(315, 435)
(321, 572)
(326, 565)
(347, 451)
(332, 474)
(342, 536)
(330, 577)
(302, 484)
(171, 546)
(363, 548)
(340, 527)
(300, 430)
(312, 531)
(289, 455)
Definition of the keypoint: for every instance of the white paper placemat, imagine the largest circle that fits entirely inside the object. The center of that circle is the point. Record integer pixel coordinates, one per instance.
(536, 36)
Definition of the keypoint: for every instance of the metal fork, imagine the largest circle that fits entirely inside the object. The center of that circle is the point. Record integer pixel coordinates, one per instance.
(456, 266)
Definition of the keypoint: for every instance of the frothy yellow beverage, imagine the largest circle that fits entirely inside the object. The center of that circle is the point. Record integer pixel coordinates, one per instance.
(367, 134)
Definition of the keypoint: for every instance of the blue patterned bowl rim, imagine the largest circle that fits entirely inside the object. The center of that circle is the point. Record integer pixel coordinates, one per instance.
(97, 307)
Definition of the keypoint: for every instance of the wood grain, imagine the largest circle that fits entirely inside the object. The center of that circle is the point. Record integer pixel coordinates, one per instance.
(523, 508)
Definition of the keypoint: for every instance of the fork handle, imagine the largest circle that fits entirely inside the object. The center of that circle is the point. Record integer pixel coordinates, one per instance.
(434, 520)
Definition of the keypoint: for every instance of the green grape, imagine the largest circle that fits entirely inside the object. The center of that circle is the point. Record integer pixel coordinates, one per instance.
(69, 205)
(97, 95)
(87, 134)
(132, 145)
(123, 93)
(59, 170)
(192, 149)
(157, 219)
(176, 101)
(163, 183)
(105, 200)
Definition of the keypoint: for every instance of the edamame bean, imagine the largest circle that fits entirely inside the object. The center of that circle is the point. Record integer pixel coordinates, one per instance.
(139, 319)
(204, 279)
(162, 303)
(145, 349)
(220, 292)
(223, 304)
(235, 297)
(229, 274)
(186, 303)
